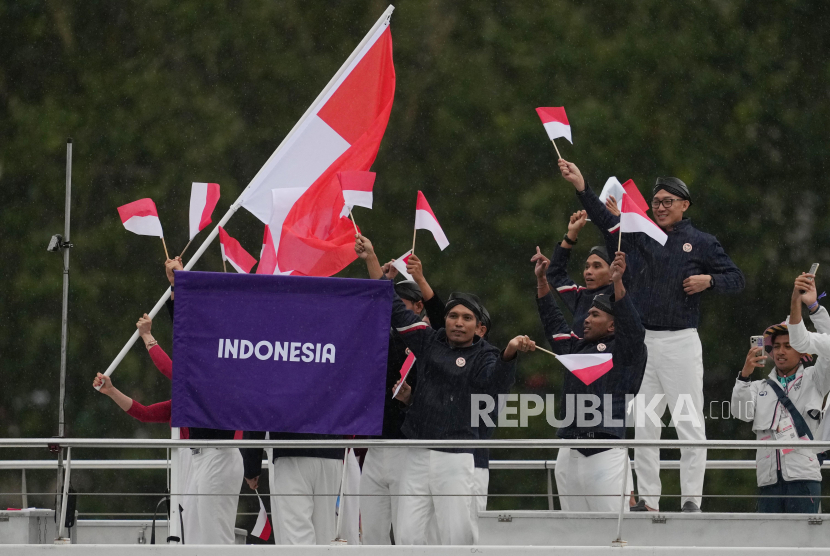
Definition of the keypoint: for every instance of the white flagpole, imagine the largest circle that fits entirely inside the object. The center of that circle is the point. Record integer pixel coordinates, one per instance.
(286, 141)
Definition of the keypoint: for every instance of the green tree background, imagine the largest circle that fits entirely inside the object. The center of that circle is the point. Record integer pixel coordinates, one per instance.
(730, 96)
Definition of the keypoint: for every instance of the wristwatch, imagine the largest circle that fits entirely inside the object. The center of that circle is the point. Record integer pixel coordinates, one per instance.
(569, 241)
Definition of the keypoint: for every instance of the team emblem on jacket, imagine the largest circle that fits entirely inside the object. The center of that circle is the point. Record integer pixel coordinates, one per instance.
(687, 247)
(762, 393)
(460, 361)
(601, 347)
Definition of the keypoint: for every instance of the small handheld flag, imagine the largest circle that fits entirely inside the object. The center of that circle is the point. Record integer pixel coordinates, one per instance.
(141, 217)
(613, 188)
(233, 252)
(633, 219)
(400, 264)
(357, 191)
(587, 367)
(407, 366)
(556, 124)
(262, 528)
(425, 220)
(203, 199)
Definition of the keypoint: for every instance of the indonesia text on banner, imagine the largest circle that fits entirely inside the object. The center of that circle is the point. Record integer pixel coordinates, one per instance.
(280, 353)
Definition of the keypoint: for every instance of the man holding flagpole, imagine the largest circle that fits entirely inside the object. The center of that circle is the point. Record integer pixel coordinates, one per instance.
(671, 264)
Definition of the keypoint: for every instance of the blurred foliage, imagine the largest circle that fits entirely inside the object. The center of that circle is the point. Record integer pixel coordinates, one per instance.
(730, 96)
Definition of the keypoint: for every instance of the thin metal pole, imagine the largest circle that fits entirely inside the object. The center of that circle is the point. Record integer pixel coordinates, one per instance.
(62, 522)
(340, 503)
(23, 490)
(65, 307)
(619, 541)
(550, 490)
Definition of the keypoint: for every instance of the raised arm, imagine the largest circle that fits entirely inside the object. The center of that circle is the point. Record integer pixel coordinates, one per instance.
(156, 413)
(628, 328)
(415, 333)
(366, 251)
(557, 331)
(416, 270)
(159, 357)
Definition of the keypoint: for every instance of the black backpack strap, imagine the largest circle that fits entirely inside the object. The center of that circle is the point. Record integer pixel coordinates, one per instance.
(800, 424)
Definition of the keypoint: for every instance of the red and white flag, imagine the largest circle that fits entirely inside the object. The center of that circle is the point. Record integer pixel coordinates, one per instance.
(233, 252)
(405, 368)
(400, 264)
(141, 217)
(587, 367)
(357, 189)
(342, 131)
(268, 256)
(613, 188)
(425, 220)
(262, 528)
(633, 219)
(203, 199)
(556, 122)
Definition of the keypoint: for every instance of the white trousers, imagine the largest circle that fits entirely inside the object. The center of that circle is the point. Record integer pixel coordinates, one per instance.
(675, 371)
(593, 483)
(379, 490)
(188, 503)
(306, 497)
(216, 477)
(430, 475)
(481, 481)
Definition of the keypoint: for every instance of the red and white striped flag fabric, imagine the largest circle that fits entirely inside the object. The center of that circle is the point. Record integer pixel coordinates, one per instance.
(203, 199)
(262, 528)
(614, 188)
(556, 122)
(405, 368)
(633, 219)
(357, 189)
(141, 217)
(425, 220)
(587, 367)
(233, 252)
(342, 131)
(400, 264)
(268, 256)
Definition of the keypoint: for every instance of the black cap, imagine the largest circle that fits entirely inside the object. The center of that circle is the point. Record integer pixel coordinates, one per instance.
(601, 252)
(674, 186)
(468, 300)
(485, 320)
(604, 302)
(409, 290)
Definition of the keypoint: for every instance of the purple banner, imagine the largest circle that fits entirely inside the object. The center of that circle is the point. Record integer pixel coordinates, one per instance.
(280, 353)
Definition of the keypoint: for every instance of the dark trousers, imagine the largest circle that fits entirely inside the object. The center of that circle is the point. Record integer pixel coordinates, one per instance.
(786, 497)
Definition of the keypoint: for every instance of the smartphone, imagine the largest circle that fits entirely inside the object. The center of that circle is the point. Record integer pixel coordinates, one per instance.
(757, 342)
(813, 269)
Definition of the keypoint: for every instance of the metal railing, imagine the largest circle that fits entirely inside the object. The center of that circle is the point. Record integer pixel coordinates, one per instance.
(546, 465)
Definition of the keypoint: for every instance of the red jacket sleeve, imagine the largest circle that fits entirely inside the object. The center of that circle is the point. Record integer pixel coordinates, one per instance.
(162, 361)
(156, 413)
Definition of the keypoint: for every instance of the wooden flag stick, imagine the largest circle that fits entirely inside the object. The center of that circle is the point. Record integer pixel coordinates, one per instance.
(546, 351)
(619, 241)
(185, 248)
(557, 149)
(224, 266)
(166, 254)
(415, 231)
(353, 222)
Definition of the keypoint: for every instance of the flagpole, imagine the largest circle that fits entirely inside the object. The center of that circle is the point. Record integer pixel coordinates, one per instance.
(287, 140)
(224, 266)
(185, 248)
(353, 222)
(619, 241)
(546, 351)
(166, 254)
(415, 231)
(557, 149)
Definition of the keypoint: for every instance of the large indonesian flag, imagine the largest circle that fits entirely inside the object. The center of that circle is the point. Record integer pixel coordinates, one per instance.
(632, 219)
(556, 122)
(425, 220)
(587, 367)
(141, 217)
(297, 192)
(203, 199)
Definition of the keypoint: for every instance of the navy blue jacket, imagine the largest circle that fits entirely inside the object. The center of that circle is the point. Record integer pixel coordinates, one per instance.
(655, 274)
(627, 345)
(447, 377)
(576, 298)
